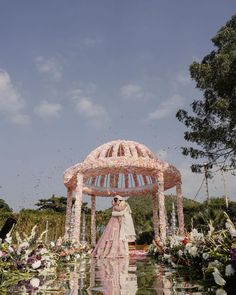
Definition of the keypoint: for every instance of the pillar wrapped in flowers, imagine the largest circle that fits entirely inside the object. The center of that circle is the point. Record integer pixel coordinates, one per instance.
(68, 212)
(162, 211)
(93, 220)
(78, 205)
(180, 212)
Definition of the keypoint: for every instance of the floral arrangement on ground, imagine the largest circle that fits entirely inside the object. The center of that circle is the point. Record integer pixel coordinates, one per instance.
(24, 265)
(213, 255)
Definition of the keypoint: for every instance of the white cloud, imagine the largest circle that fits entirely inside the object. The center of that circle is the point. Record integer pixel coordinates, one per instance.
(11, 102)
(88, 108)
(96, 113)
(46, 109)
(51, 67)
(133, 92)
(167, 107)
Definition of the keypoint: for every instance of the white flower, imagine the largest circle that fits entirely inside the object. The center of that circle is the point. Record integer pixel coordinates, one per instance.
(59, 241)
(48, 264)
(36, 264)
(218, 278)
(52, 244)
(229, 271)
(10, 249)
(77, 256)
(174, 241)
(230, 228)
(180, 253)
(196, 236)
(211, 229)
(167, 256)
(32, 234)
(173, 265)
(34, 282)
(205, 256)
(18, 238)
(221, 292)
(193, 251)
(47, 257)
(188, 246)
(8, 239)
(43, 251)
(24, 245)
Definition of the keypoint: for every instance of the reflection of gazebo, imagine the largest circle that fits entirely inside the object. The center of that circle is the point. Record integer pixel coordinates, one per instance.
(126, 168)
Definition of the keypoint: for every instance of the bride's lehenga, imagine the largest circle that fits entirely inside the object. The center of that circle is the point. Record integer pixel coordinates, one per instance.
(110, 245)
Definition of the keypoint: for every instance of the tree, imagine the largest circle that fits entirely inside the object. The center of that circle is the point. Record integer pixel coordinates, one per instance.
(4, 207)
(57, 204)
(212, 126)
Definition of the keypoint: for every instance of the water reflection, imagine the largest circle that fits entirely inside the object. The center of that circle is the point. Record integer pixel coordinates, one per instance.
(140, 277)
(115, 277)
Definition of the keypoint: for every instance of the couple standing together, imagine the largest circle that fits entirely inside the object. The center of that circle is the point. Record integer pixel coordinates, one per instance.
(118, 232)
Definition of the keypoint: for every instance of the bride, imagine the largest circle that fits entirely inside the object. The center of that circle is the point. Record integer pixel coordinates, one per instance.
(118, 232)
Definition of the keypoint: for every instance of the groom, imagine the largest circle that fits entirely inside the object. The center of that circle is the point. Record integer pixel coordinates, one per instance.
(127, 231)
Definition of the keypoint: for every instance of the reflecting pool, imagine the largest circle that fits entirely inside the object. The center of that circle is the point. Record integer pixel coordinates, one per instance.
(140, 276)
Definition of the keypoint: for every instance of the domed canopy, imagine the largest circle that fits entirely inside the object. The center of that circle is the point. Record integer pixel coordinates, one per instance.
(125, 168)
(121, 167)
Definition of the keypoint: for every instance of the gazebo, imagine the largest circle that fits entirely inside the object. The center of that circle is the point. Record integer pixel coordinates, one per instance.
(125, 168)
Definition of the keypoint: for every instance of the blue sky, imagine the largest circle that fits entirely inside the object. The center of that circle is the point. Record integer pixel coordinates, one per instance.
(77, 74)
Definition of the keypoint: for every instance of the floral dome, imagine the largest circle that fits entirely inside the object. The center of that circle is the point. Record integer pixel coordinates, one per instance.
(121, 167)
(121, 148)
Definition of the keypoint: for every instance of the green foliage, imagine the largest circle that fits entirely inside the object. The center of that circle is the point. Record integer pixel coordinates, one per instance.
(57, 204)
(27, 219)
(213, 125)
(214, 212)
(4, 207)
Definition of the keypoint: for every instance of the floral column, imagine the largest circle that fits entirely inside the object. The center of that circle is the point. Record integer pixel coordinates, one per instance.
(93, 220)
(78, 205)
(155, 215)
(180, 208)
(68, 211)
(161, 199)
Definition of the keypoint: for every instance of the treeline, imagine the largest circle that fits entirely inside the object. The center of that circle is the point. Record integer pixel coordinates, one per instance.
(50, 214)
